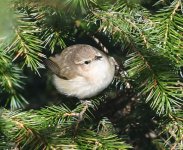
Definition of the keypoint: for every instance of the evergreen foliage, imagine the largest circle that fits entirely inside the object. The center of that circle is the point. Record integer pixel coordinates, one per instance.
(147, 43)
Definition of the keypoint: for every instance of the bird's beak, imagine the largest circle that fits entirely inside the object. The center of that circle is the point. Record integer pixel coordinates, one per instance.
(98, 57)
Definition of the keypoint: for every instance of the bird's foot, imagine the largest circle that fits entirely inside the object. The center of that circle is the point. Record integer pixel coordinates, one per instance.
(86, 104)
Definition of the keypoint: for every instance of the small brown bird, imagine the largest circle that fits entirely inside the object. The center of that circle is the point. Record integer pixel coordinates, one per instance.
(81, 71)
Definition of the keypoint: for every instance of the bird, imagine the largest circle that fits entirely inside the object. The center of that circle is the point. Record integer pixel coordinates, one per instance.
(81, 71)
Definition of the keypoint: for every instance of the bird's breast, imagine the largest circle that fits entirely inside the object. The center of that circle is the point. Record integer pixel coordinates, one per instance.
(88, 85)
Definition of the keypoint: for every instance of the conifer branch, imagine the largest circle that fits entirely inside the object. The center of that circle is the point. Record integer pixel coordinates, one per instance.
(25, 43)
(29, 129)
(11, 77)
(167, 30)
(150, 48)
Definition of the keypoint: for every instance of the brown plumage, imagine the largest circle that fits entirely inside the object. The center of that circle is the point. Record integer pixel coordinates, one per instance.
(81, 69)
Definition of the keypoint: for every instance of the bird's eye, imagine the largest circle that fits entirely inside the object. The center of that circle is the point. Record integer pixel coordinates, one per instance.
(87, 62)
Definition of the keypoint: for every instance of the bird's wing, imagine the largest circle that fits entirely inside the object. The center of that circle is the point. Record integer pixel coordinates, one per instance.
(63, 65)
(54, 68)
